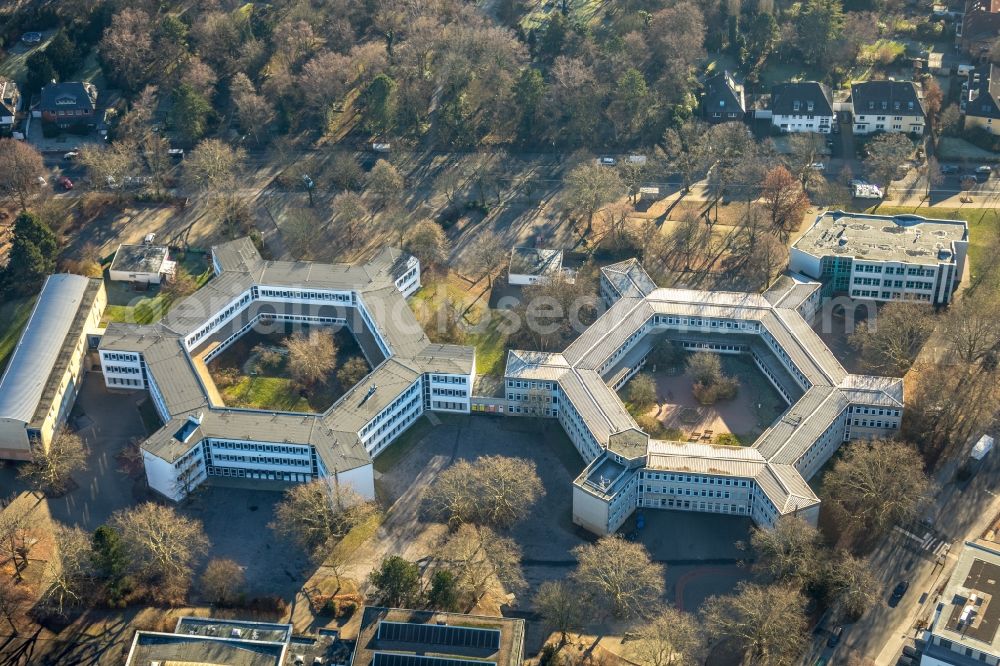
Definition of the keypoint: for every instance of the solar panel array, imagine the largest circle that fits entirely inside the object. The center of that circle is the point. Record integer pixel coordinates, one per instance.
(396, 659)
(440, 634)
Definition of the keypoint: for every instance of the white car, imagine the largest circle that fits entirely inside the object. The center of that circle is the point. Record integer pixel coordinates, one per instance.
(817, 166)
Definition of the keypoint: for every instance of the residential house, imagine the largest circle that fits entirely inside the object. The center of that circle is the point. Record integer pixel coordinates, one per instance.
(979, 28)
(10, 104)
(806, 106)
(529, 265)
(981, 101)
(887, 106)
(69, 104)
(723, 99)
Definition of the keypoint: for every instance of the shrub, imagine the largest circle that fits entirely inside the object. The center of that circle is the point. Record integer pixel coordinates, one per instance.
(642, 390)
(727, 439)
(268, 604)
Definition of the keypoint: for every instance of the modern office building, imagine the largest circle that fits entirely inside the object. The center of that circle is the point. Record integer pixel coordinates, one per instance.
(883, 258)
(46, 368)
(963, 629)
(203, 438)
(401, 637)
(530, 265)
(627, 469)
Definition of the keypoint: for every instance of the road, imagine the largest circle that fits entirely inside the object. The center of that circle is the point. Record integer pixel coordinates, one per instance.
(959, 512)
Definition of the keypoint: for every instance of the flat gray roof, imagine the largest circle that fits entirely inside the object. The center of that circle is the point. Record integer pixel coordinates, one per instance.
(139, 258)
(907, 239)
(585, 368)
(535, 261)
(334, 432)
(970, 613)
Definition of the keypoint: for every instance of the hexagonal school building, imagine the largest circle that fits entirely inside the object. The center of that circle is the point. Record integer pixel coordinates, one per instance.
(626, 469)
(203, 438)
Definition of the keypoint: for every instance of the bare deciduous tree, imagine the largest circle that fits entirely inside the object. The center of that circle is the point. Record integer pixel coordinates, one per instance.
(51, 469)
(483, 562)
(558, 602)
(352, 372)
(671, 638)
(20, 167)
(487, 254)
(852, 586)
(785, 200)
(385, 182)
(427, 242)
(590, 187)
(311, 514)
(621, 573)
(788, 552)
(214, 168)
(879, 483)
(766, 623)
(222, 581)
(69, 570)
(494, 490)
(972, 327)
(311, 356)
(891, 340)
(163, 547)
(15, 600)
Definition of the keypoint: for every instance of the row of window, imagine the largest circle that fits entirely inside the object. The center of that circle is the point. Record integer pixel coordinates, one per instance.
(122, 369)
(120, 356)
(450, 379)
(459, 393)
(516, 383)
(265, 448)
(685, 491)
(686, 478)
(388, 412)
(874, 411)
(340, 297)
(696, 506)
(261, 460)
(122, 381)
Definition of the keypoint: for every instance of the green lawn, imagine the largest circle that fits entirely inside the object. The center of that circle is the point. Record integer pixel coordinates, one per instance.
(491, 349)
(131, 307)
(396, 451)
(983, 223)
(265, 393)
(14, 314)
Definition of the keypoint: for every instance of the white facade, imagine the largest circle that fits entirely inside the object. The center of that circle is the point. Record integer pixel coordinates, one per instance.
(803, 122)
(869, 123)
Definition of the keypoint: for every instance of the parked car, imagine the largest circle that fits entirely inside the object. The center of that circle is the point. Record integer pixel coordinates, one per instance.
(31, 37)
(906, 661)
(65, 183)
(910, 651)
(898, 592)
(835, 637)
(984, 169)
(607, 161)
(176, 153)
(71, 155)
(817, 166)
(950, 169)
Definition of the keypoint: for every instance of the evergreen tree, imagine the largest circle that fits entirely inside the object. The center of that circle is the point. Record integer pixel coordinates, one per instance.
(110, 561)
(190, 112)
(32, 255)
(443, 594)
(380, 104)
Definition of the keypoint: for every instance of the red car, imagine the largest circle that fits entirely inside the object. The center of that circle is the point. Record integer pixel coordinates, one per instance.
(66, 183)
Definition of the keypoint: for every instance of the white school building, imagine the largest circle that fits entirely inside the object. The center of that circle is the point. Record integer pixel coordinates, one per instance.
(203, 438)
(626, 469)
(884, 258)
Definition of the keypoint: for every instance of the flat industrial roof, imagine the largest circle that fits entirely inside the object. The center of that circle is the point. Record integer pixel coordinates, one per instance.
(970, 615)
(139, 258)
(535, 261)
(907, 239)
(824, 391)
(62, 306)
(334, 432)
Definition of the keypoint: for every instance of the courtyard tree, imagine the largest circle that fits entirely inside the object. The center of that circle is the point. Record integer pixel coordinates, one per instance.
(483, 562)
(558, 602)
(32, 255)
(879, 483)
(589, 187)
(51, 469)
(785, 200)
(69, 571)
(667, 354)
(621, 573)
(789, 552)
(553, 312)
(222, 582)
(352, 372)
(710, 383)
(385, 183)
(426, 241)
(851, 586)
(671, 638)
(214, 168)
(163, 547)
(312, 514)
(20, 167)
(642, 390)
(890, 340)
(311, 356)
(886, 152)
(497, 491)
(396, 582)
(766, 623)
(180, 284)
(350, 212)
(110, 561)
